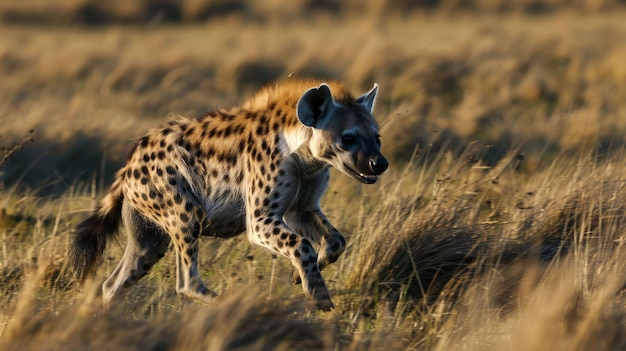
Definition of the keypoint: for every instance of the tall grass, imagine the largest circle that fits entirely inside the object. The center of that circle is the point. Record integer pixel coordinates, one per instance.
(499, 226)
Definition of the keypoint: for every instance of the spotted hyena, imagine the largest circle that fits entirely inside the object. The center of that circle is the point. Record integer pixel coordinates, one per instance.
(260, 168)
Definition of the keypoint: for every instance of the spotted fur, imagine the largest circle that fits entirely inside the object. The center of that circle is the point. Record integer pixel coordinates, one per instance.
(260, 168)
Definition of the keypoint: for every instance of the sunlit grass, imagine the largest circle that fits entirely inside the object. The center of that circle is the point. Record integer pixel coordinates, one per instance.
(499, 226)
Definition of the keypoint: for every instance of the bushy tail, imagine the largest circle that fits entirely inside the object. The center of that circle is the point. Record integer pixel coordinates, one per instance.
(91, 236)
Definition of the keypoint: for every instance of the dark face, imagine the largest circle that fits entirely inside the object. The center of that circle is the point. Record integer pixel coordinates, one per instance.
(345, 134)
(352, 145)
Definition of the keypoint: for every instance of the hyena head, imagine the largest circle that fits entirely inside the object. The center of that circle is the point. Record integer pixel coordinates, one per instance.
(345, 134)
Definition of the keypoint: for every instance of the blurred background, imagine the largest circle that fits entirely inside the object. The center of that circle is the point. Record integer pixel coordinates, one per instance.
(500, 225)
(540, 77)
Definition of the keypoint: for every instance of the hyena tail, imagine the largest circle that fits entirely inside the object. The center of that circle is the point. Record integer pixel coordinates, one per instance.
(91, 236)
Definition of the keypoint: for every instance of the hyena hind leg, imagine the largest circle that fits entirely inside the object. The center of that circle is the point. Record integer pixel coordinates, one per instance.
(147, 244)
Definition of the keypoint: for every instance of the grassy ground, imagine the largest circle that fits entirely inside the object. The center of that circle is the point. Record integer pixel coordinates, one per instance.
(499, 226)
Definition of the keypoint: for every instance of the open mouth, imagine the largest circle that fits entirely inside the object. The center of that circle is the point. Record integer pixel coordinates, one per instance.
(363, 178)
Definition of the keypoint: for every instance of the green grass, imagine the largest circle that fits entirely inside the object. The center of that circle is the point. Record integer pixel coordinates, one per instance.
(499, 226)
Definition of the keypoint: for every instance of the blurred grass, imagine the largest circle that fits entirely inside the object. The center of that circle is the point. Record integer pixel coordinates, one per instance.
(499, 226)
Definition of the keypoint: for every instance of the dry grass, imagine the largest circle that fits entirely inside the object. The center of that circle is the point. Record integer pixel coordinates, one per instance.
(500, 225)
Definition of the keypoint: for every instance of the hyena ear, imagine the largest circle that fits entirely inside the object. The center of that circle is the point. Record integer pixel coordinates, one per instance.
(368, 99)
(313, 104)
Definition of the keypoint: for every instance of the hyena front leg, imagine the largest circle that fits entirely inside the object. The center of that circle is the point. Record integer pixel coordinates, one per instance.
(265, 209)
(274, 235)
(313, 225)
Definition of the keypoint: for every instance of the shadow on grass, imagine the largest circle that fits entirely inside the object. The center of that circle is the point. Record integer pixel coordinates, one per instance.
(50, 168)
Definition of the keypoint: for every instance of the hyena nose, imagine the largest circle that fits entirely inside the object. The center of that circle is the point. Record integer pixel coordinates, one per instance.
(379, 165)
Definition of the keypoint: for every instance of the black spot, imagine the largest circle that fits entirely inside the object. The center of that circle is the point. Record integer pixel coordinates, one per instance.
(146, 158)
(267, 189)
(144, 169)
(284, 236)
(184, 217)
(257, 213)
(276, 231)
(170, 170)
(188, 206)
(144, 181)
(161, 155)
(191, 251)
(292, 241)
(166, 131)
(231, 158)
(159, 171)
(144, 141)
(144, 197)
(178, 199)
(172, 181)
(152, 194)
(226, 178)
(266, 202)
(162, 143)
(227, 117)
(267, 221)
(136, 174)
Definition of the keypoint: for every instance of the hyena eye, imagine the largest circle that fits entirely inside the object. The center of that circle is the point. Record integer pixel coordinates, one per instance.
(348, 139)
(378, 140)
